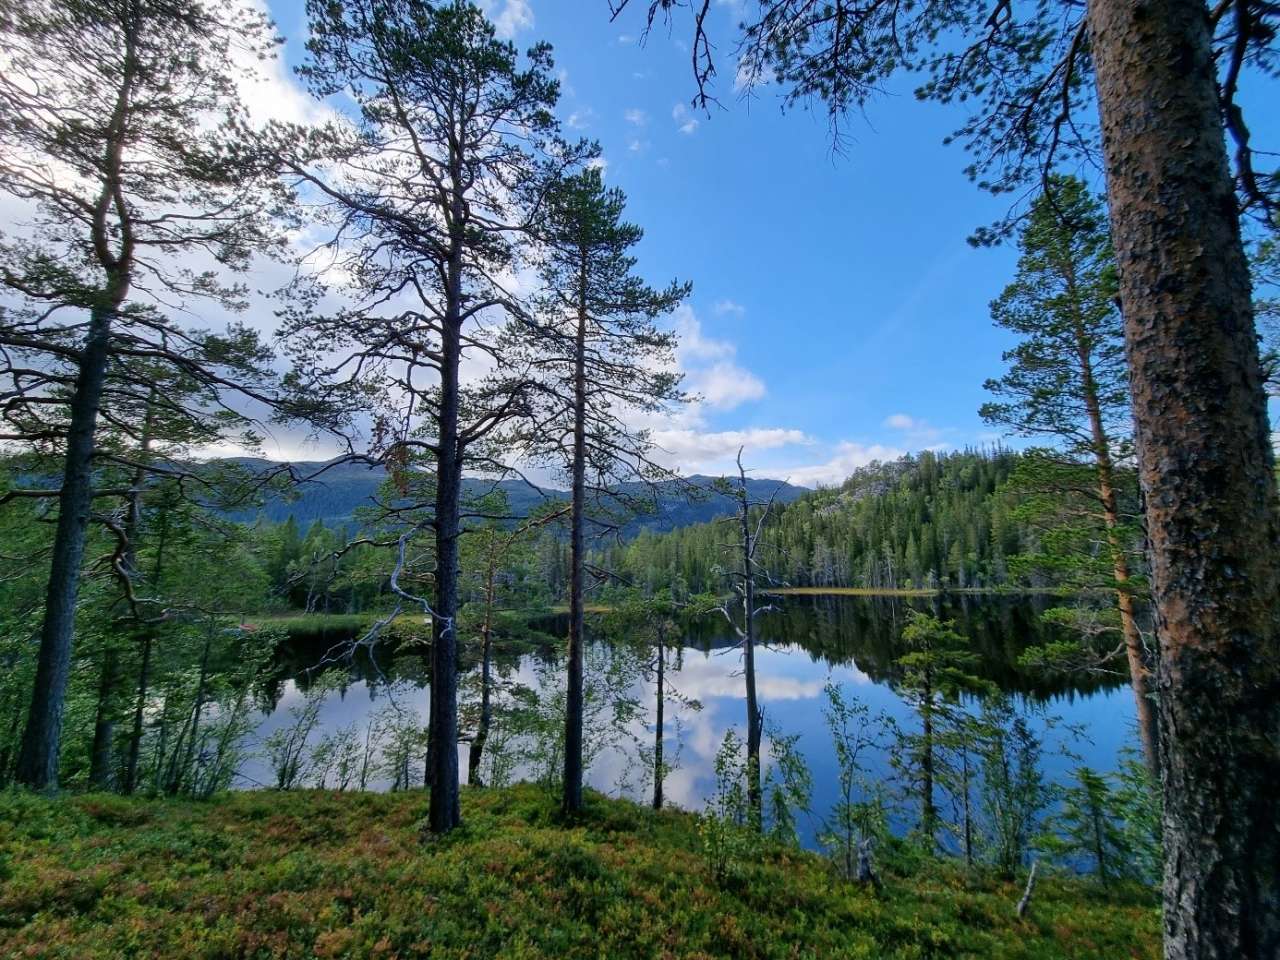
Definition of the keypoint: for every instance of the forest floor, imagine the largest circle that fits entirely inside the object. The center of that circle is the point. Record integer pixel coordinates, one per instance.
(326, 874)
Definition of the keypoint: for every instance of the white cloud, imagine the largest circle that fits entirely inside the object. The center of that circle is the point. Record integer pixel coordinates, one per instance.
(725, 306)
(509, 17)
(693, 344)
(636, 117)
(709, 366)
(580, 119)
(686, 122)
(598, 163)
(713, 451)
(848, 457)
(900, 421)
(725, 385)
(638, 146)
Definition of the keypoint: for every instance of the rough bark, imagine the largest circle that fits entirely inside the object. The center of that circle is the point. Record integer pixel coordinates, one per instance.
(1139, 672)
(113, 250)
(574, 693)
(445, 813)
(1206, 470)
(42, 738)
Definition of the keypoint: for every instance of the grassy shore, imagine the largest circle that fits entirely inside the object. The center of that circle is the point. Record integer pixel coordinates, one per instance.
(323, 874)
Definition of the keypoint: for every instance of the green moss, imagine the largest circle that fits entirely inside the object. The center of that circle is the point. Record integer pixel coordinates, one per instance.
(322, 874)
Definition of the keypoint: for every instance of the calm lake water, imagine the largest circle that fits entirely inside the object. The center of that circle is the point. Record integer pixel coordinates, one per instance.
(811, 640)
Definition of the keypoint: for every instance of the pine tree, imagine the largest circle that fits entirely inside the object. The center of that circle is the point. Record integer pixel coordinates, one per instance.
(121, 124)
(474, 141)
(604, 359)
(1067, 382)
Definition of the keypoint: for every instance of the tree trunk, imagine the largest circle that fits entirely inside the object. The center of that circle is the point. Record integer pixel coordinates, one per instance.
(101, 760)
(476, 753)
(148, 640)
(442, 739)
(658, 726)
(755, 795)
(929, 808)
(1139, 673)
(1205, 465)
(42, 738)
(139, 716)
(574, 694)
(182, 759)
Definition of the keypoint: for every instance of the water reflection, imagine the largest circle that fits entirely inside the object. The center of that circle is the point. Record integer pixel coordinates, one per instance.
(809, 641)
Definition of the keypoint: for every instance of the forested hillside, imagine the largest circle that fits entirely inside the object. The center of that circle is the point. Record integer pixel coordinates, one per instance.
(922, 521)
(335, 494)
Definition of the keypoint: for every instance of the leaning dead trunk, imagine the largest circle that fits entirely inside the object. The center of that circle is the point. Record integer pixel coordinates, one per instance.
(1205, 464)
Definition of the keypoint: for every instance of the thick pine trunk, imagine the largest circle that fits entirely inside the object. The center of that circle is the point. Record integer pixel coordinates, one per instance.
(574, 694)
(42, 738)
(1205, 463)
(443, 736)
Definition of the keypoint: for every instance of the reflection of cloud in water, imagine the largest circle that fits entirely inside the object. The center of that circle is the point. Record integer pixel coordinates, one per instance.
(790, 682)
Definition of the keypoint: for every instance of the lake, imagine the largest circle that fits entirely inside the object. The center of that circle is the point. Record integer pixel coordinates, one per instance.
(807, 642)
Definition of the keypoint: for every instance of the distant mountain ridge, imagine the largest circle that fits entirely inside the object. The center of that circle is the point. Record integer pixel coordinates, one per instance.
(336, 494)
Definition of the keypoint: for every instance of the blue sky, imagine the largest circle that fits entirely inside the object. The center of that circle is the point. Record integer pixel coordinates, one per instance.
(838, 314)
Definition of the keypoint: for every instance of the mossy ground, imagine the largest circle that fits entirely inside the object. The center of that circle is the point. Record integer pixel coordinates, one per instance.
(324, 874)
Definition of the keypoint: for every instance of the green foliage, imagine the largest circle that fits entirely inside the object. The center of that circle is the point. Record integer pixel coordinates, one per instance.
(860, 811)
(936, 669)
(326, 874)
(788, 786)
(1136, 802)
(1087, 825)
(1013, 793)
(287, 750)
(727, 835)
(1062, 306)
(535, 721)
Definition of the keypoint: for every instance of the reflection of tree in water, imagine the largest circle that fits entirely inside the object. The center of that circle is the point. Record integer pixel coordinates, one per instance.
(864, 632)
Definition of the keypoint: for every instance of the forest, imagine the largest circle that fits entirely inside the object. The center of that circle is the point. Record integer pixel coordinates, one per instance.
(395, 561)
